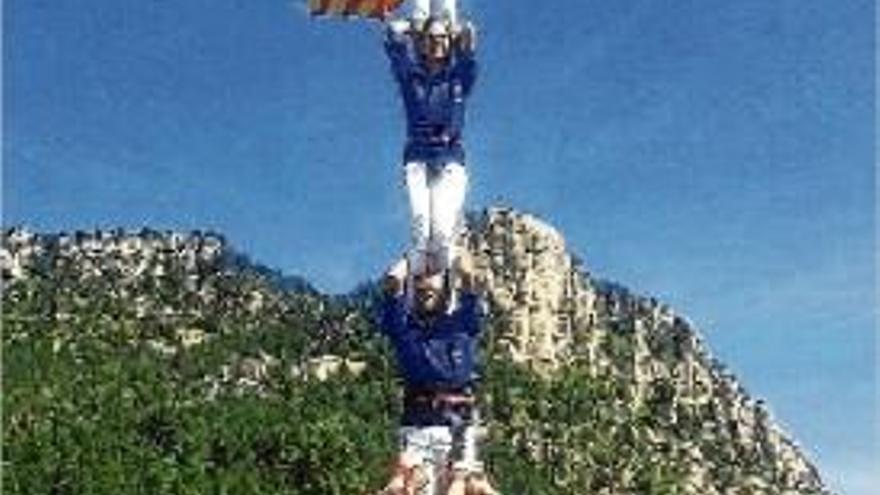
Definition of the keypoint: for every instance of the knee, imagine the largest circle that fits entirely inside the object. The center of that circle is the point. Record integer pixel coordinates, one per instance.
(421, 228)
(414, 171)
(407, 477)
(457, 485)
(477, 484)
(397, 486)
(455, 172)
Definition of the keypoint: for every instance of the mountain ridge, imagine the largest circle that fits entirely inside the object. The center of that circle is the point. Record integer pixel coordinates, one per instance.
(549, 316)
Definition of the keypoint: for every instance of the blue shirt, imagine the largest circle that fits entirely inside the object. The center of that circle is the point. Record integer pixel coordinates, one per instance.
(434, 101)
(440, 353)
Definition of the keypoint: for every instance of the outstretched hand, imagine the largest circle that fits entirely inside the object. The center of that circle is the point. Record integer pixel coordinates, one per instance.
(464, 268)
(399, 27)
(392, 285)
(466, 37)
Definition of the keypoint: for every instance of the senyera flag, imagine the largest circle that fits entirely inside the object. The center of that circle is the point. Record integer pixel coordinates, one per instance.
(363, 8)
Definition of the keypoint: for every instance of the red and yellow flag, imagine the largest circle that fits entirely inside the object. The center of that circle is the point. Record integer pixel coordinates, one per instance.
(363, 8)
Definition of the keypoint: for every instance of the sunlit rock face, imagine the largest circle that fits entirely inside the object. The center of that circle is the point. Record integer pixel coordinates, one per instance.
(549, 312)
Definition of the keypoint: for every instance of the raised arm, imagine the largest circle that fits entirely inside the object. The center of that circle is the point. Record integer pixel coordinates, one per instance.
(470, 309)
(397, 46)
(392, 314)
(465, 55)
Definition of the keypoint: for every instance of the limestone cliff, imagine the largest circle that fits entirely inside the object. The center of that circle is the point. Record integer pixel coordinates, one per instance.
(550, 313)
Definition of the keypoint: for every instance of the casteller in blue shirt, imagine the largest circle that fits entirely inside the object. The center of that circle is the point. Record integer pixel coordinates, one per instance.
(436, 348)
(435, 69)
(438, 352)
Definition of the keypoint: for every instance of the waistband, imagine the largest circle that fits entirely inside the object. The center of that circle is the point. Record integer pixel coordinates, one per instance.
(438, 398)
(434, 154)
(438, 407)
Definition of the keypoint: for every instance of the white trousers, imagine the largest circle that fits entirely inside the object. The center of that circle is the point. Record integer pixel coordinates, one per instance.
(422, 9)
(429, 447)
(436, 198)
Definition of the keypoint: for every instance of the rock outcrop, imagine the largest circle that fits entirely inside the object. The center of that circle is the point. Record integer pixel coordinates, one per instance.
(550, 313)
(147, 253)
(172, 276)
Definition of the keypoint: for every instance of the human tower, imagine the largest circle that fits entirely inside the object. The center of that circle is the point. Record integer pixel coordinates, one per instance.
(431, 309)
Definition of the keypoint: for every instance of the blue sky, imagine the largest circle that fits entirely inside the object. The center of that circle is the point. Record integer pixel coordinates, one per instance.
(718, 155)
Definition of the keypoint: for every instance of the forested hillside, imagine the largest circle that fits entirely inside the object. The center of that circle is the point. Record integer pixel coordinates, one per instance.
(158, 362)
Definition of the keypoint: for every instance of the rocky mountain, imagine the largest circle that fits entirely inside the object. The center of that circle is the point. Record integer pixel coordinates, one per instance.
(552, 314)
(587, 387)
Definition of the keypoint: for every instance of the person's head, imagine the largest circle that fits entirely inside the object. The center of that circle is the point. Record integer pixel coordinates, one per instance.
(430, 293)
(436, 41)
